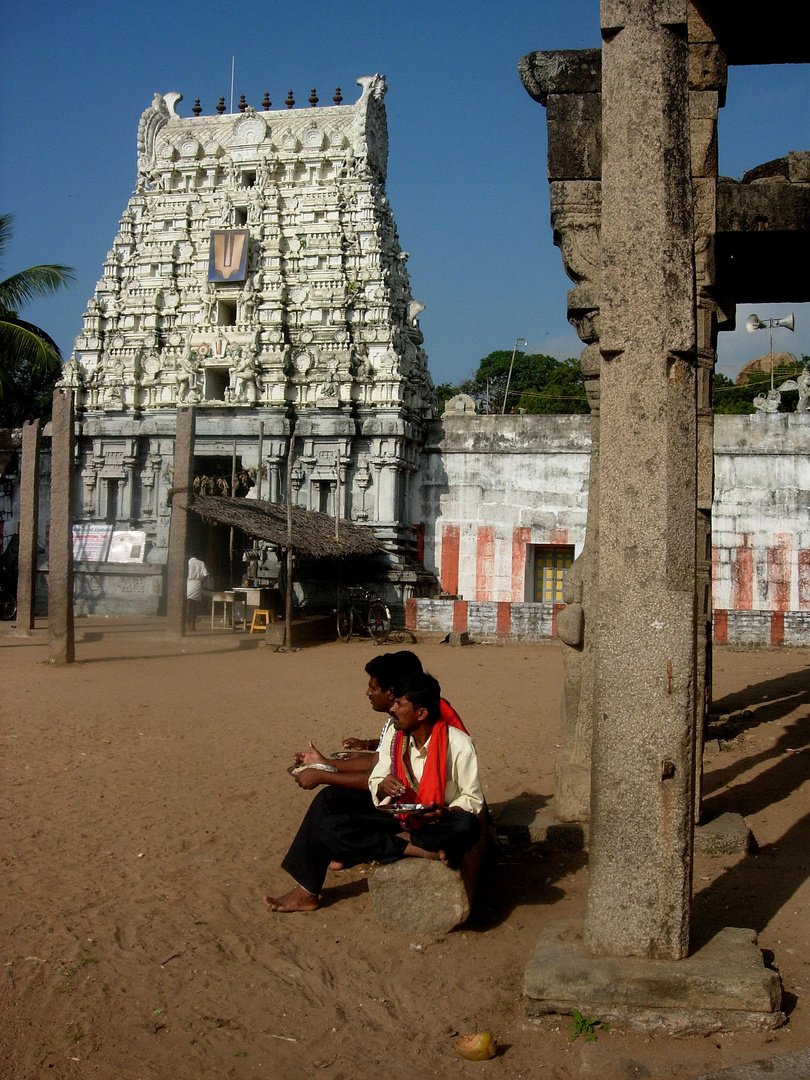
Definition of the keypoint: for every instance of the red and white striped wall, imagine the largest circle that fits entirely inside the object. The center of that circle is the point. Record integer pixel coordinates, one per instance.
(491, 563)
(492, 487)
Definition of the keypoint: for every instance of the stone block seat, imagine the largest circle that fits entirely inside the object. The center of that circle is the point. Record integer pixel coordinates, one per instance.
(423, 897)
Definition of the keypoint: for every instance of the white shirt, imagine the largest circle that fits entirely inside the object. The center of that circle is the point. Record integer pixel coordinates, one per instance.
(463, 786)
(196, 576)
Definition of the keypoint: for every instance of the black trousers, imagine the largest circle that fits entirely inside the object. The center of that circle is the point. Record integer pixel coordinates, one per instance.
(344, 825)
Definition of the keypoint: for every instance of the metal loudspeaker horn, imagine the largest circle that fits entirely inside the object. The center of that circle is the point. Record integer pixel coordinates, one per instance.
(788, 321)
(753, 323)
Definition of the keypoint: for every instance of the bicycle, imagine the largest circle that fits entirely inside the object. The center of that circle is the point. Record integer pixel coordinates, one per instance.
(362, 611)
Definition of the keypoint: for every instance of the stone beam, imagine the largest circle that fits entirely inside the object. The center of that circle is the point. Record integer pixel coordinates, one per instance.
(751, 34)
(762, 227)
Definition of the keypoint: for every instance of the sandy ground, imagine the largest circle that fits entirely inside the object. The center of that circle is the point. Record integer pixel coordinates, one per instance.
(146, 808)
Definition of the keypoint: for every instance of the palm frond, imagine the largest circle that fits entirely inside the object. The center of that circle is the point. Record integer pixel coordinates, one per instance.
(27, 344)
(23, 343)
(22, 288)
(5, 230)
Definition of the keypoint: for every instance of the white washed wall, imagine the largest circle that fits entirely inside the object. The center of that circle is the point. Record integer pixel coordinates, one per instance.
(761, 512)
(499, 483)
(489, 485)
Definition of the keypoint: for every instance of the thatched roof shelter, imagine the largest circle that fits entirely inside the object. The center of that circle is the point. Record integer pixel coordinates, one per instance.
(313, 533)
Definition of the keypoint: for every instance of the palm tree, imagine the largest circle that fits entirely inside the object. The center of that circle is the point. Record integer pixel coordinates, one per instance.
(23, 346)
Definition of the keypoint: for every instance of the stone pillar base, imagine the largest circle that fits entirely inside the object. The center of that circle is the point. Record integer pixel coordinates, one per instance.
(723, 986)
(572, 789)
(725, 834)
(533, 819)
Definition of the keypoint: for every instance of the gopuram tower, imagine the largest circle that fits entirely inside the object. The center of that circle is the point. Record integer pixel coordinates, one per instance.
(257, 274)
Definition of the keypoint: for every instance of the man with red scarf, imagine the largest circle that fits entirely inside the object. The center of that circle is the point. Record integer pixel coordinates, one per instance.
(424, 760)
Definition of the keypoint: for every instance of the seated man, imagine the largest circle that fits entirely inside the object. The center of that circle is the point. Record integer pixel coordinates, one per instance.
(422, 759)
(383, 671)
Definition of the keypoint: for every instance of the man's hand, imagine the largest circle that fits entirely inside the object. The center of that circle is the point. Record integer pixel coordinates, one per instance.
(356, 744)
(313, 756)
(309, 778)
(392, 786)
(431, 817)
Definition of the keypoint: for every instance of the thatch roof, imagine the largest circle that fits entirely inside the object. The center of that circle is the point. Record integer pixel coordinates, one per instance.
(313, 534)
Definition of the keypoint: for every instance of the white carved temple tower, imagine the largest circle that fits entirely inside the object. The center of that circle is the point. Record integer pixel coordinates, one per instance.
(257, 273)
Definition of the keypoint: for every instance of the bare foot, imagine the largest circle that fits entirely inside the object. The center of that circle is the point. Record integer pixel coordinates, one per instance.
(335, 865)
(296, 899)
(415, 852)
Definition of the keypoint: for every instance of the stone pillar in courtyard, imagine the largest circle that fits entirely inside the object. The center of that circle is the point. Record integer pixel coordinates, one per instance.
(60, 548)
(636, 958)
(29, 527)
(642, 763)
(177, 563)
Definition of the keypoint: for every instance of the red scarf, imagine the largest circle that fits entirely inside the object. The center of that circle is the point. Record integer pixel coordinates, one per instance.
(431, 788)
(450, 716)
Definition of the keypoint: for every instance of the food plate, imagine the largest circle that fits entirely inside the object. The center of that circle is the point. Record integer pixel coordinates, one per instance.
(408, 808)
(347, 755)
(294, 770)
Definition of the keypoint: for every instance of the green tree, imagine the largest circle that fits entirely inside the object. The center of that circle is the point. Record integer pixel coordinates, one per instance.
(30, 362)
(539, 384)
(730, 398)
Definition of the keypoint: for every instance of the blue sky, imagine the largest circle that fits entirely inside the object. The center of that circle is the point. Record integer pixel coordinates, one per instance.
(466, 179)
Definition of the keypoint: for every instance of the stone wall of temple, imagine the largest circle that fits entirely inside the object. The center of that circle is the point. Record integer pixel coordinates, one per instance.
(495, 497)
(494, 488)
(503, 502)
(761, 530)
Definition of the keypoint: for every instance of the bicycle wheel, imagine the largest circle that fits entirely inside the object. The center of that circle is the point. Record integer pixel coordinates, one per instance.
(379, 621)
(345, 623)
(8, 606)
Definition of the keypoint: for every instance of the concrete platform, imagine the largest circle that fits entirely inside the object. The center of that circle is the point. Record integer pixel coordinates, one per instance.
(795, 1066)
(723, 986)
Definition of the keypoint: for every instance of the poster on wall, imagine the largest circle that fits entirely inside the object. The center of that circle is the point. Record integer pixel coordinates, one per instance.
(91, 541)
(227, 258)
(127, 547)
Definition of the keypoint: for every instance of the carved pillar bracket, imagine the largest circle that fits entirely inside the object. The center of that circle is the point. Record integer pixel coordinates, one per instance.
(569, 84)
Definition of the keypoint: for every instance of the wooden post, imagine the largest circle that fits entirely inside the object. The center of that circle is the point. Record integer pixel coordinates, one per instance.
(60, 549)
(337, 497)
(177, 567)
(29, 527)
(233, 496)
(261, 453)
(288, 598)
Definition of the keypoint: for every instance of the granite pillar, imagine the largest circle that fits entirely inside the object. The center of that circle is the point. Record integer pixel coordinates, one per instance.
(60, 548)
(643, 755)
(177, 562)
(655, 308)
(29, 527)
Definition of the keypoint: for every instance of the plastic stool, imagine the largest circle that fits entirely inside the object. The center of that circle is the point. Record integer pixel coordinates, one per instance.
(260, 620)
